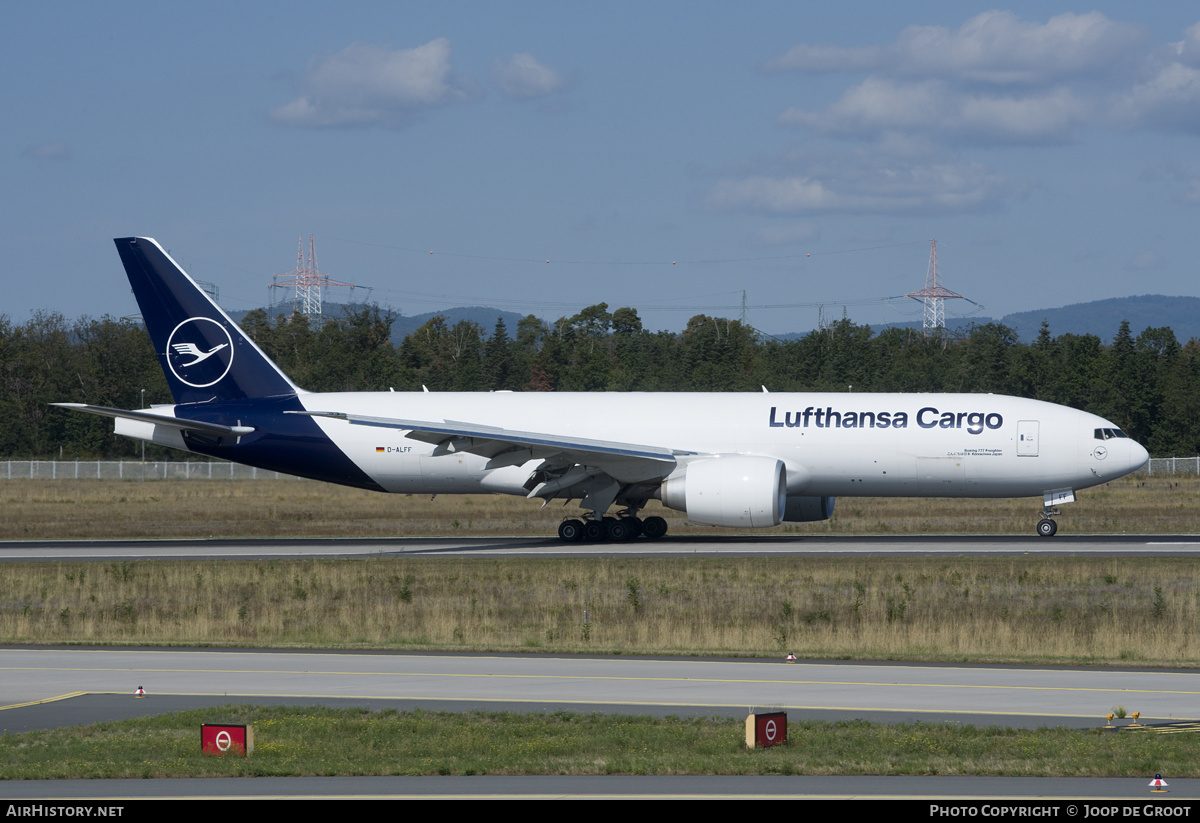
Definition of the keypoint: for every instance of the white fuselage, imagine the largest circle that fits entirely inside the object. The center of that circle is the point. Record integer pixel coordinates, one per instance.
(752, 460)
(907, 445)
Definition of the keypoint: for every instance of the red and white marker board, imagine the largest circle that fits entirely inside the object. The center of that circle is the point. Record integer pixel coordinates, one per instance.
(220, 739)
(766, 729)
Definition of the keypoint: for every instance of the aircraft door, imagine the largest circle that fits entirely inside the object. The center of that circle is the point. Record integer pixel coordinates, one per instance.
(1027, 438)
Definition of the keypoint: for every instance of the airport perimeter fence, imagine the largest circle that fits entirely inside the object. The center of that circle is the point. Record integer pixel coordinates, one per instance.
(134, 470)
(1172, 465)
(219, 470)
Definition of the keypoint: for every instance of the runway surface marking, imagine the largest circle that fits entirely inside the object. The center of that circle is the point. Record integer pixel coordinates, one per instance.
(591, 681)
(593, 678)
(615, 702)
(57, 697)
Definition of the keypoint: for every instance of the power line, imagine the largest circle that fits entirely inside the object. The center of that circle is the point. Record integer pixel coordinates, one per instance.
(660, 262)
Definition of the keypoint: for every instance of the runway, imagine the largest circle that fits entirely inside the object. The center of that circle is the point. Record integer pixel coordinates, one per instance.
(45, 688)
(495, 547)
(1003, 695)
(48, 687)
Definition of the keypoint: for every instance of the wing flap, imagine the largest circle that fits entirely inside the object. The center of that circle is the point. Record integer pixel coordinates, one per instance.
(627, 461)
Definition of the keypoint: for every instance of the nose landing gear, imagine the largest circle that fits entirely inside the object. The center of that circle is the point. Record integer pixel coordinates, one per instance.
(1046, 527)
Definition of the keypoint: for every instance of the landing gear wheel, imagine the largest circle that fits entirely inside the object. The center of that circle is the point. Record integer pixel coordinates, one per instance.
(621, 530)
(570, 531)
(635, 526)
(654, 527)
(595, 530)
(1046, 527)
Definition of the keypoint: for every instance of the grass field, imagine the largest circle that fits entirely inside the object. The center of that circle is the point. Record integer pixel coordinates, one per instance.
(1028, 609)
(1093, 611)
(980, 609)
(317, 741)
(60, 509)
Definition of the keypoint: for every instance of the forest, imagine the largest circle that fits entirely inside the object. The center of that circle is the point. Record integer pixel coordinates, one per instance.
(1149, 383)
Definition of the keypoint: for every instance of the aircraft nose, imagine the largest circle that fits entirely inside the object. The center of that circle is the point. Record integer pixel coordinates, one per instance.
(1138, 456)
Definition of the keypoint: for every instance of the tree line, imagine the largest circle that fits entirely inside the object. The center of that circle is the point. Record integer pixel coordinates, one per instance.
(1148, 384)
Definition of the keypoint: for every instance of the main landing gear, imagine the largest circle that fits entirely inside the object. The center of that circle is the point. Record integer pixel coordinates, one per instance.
(611, 529)
(1046, 527)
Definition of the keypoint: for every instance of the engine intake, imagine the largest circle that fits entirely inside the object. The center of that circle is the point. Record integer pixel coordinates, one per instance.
(740, 491)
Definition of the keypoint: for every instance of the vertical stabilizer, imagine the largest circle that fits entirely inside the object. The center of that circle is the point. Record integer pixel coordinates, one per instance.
(205, 355)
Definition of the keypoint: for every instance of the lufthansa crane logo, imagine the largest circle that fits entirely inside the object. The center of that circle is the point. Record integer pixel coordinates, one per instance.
(200, 352)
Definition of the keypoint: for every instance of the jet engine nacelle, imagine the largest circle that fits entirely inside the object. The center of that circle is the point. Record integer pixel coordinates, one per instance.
(808, 509)
(736, 490)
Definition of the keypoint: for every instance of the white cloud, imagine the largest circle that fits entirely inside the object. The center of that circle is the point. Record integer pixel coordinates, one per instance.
(1070, 71)
(872, 179)
(997, 47)
(935, 108)
(52, 150)
(366, 85)
(771, 194)
(524, 77)
(935, 81)
(1168, 97)
(1168, 100)
(1048, 117)
(997, 80)
(1186, 50)
(993, 47)
(876, 104)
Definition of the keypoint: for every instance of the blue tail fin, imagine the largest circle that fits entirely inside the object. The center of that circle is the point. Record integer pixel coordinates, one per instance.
(204, 354)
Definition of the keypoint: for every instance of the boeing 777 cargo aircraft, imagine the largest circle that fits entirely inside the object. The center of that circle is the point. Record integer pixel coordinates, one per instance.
(737, 460)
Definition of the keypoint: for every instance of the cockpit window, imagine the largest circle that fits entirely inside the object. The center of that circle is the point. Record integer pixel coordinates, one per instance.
(1109, 434)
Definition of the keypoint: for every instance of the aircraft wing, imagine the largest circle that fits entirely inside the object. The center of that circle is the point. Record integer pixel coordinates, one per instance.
(625, 462)
(183, 424)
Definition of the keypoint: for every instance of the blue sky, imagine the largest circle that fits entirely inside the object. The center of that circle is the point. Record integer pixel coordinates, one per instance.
(665, 156)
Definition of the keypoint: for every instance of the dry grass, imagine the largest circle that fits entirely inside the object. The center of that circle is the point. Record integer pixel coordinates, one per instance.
(1100, 610)
(91, 509)
(1137, 504)
(1110, 610)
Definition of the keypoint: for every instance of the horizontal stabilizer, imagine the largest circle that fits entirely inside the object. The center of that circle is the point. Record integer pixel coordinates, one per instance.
(215, 429)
